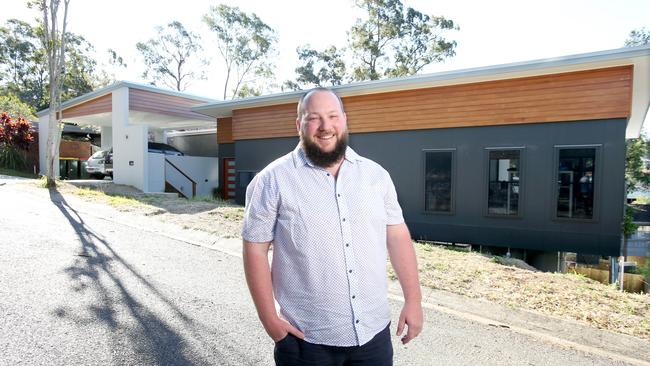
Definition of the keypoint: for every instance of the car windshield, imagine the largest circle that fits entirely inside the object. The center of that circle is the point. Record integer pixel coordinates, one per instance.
(99, 154)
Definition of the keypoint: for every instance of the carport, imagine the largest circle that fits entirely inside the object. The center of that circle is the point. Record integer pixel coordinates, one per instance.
(129, 116)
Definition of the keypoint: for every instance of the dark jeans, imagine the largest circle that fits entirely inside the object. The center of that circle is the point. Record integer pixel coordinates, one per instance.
(291, 350)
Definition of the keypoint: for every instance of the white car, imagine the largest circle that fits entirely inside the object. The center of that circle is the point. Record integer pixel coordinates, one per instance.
(100, 164)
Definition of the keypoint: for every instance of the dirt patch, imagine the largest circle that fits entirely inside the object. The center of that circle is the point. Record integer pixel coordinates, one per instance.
(568, 296)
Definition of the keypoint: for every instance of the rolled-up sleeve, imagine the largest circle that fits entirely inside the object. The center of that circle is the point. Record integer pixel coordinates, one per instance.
(260, 213)
(393, 210)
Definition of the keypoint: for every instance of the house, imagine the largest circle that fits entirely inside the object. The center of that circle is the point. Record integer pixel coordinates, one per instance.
(130, 116)
(527, 156)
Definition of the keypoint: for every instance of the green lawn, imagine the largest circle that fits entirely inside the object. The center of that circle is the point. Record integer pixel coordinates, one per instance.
(16, 173)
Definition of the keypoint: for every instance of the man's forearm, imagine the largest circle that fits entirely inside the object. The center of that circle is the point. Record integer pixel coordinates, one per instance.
(402, 257)
(258, 278)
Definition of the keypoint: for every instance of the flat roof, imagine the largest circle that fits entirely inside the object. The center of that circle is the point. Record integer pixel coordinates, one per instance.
(128, 84)
(639, 57)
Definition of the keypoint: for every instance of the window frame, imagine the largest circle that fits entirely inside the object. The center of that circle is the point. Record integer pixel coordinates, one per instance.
(452, 209)
(486, 179)
(598, 167)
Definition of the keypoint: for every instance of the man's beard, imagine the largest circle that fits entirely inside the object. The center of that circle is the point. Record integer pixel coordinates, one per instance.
(322, 158)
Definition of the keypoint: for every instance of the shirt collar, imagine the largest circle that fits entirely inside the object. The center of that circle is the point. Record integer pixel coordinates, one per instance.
(301, 159)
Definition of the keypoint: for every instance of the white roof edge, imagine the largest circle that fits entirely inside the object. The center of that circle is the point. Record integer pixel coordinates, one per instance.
(638, 56)
(121, 84)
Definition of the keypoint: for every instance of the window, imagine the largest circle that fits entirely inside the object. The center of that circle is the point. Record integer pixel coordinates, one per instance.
(504, 185)
(438, 181)
(576, 179)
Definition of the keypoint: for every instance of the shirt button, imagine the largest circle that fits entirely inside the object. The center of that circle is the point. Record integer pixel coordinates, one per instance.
(347, 244)
(350, 271)
(344, 219)
(357, 321)
(353, 296)
(339, 195)
(328, 174)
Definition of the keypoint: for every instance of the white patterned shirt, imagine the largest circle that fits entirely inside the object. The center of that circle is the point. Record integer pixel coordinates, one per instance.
(329, 243)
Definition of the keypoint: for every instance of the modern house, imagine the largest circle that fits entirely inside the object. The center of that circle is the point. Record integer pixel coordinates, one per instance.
(130, 116)
(528, 155)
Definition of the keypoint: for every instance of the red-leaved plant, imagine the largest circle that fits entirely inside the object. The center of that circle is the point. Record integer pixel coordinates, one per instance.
(15, 138)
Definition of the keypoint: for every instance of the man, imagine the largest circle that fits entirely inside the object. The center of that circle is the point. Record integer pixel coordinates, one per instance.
(331, 216)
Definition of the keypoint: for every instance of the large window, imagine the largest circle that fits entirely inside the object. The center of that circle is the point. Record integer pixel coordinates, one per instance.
(576, 180)
(438, 181)
(504, 185)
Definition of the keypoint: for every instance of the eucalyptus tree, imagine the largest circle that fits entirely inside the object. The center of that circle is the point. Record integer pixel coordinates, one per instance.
(169, 56)
(638, 37)
(54, 44)
(393, 41)
(247, 46)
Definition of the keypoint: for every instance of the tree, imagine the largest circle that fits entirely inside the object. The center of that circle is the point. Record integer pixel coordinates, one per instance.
(393, 42)
(54, 45)
(13, 106)
(24, 68)
(638, 37)
(246, 45)
(168, 55)
(636, 174)
(325, 68)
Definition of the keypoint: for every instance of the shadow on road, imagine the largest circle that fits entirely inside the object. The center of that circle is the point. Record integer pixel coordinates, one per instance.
(96, 266)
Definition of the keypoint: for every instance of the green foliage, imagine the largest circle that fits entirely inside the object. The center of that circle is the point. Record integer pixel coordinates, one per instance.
(325, 68)
(645, 268)
(23, 64)
(13, 106)
(248, 91)
(638, 37)
(168, 56)
(628, 227)
(636, 174)
(246, 44)
(16, 173)
(394, 42)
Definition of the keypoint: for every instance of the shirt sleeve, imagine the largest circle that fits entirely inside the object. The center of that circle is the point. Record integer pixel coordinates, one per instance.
(393, 209)
(260, 214)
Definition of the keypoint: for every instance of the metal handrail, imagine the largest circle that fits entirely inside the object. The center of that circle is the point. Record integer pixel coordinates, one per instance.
(185, 175)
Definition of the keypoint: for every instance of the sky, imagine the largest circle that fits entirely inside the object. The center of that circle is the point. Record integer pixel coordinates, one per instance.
(491, 32)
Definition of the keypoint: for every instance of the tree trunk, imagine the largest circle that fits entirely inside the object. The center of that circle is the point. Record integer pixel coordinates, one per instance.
(54, 44)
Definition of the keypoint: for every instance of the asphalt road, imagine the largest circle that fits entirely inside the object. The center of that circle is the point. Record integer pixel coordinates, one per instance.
(79, 288)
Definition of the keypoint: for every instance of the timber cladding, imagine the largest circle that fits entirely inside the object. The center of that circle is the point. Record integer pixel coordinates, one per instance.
(75, 149)
(147, 101)
(574, 96)
(224, 130)
(103, 104)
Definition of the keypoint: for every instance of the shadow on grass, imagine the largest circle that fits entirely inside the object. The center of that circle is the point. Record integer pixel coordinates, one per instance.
(150, 336)
(166, 203)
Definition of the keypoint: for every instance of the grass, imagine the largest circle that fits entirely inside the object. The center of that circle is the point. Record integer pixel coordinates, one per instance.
(17, 173)
(112, 199)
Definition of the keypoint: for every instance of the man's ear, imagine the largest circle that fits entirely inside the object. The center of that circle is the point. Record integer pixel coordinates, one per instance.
(298, 120)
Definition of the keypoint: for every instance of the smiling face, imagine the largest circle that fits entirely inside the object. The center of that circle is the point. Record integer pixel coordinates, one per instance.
(322, 126)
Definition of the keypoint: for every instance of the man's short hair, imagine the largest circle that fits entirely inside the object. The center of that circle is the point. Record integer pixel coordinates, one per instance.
(304, 97)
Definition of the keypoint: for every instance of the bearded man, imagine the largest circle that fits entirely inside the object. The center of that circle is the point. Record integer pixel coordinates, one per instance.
(331, 216)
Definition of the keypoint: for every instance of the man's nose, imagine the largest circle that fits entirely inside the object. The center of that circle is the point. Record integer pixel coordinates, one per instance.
(325, 124)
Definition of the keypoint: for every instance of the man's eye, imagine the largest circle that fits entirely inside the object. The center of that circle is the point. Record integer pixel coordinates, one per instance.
(334, 116)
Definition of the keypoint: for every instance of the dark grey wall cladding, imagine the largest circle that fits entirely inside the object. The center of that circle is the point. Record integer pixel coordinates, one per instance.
(196, 145)
(401, 154)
